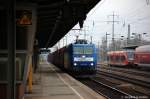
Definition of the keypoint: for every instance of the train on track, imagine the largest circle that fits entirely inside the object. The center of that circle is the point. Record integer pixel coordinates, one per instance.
(121, 58)
(139, 57)
(77, 58)
(142, 56)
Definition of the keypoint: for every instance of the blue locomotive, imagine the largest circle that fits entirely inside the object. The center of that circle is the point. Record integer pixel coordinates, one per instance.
(78, 58)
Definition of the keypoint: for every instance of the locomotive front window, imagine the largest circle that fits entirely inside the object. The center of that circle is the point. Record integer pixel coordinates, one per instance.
(88, 50)
(78, 50)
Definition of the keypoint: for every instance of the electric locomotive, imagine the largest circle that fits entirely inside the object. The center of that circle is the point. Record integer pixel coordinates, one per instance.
(78, 58)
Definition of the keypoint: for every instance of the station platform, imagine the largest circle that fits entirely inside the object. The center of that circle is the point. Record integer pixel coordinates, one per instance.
(51, 83)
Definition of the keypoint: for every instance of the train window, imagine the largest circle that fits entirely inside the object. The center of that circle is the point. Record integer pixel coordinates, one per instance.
(130, 54)
(117, 58)
(122, 58)
(113, 58)
(78, 50)
(88, 50)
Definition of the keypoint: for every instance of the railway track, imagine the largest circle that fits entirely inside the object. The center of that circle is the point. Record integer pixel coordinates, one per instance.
(124, 85)
(127, 70)
(132, 76)
(108, 90)
(144, 83)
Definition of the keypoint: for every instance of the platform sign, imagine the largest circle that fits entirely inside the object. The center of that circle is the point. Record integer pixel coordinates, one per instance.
(24, 17)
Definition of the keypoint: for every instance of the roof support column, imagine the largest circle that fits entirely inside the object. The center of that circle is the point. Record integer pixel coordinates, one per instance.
(11, 32)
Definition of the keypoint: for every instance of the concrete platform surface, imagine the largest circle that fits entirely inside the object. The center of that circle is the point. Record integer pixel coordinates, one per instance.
(51, 83)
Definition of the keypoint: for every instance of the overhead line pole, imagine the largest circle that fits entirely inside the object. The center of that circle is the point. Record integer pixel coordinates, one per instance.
(113, 28)
(128, 39)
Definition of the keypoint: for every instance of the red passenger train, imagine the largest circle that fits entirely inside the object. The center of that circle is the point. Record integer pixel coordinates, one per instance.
(120, 58)
(139, 57)
(142, 56)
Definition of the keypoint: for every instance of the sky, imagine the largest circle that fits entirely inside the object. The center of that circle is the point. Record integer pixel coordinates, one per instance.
(133, 12)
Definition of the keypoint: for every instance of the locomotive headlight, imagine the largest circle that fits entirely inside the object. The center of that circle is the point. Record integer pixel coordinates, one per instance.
(75, 64)
(83, 56)
(92, 64)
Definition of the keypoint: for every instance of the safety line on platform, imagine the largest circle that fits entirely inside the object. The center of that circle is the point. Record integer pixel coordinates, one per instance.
(68, 84)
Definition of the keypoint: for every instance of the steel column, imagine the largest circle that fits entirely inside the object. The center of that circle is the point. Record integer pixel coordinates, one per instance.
(11, 32)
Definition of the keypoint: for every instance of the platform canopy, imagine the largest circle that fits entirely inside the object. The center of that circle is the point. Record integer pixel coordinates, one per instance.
(57, 17)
